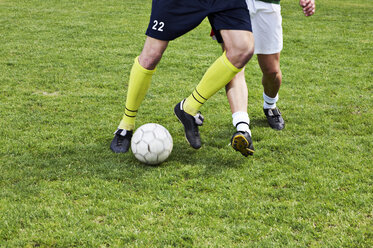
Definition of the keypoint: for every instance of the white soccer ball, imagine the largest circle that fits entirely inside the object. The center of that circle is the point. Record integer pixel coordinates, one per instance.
(151, 143)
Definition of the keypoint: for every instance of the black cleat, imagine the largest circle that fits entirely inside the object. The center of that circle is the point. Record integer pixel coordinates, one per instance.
(191, 124)
(274, 118)
(121, 141)
(241, 142)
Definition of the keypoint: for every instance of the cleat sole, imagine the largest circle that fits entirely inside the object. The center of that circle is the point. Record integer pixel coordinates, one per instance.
(241, 144)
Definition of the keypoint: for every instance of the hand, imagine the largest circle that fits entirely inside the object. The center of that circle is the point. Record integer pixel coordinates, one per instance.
(308, 7)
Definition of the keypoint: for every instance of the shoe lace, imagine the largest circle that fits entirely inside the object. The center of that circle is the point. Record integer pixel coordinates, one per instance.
(198, 119)
(121, 137)
(276, 114)
(120, 140)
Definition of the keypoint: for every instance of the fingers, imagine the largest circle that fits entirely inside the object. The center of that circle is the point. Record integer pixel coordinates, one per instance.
(308, 7)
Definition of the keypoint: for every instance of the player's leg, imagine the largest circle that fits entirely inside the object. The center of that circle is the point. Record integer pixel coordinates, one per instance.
(271, 80)
(139, 82)
(235, 26)
(237, 96)
(168, 20)
(272, 76)
(239, 49)
(140, 78)
(239, 46)
(237, 93)
(267, 29)
(241, 140)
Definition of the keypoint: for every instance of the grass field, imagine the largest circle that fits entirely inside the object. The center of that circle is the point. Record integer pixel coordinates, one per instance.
(64, 67)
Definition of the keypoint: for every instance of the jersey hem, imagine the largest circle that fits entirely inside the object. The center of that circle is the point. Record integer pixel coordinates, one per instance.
(270, 1)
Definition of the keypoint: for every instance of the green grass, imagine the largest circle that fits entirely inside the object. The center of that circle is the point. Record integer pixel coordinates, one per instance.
(64, 66)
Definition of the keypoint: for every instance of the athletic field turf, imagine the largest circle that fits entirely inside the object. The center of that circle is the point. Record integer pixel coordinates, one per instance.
(64, 68)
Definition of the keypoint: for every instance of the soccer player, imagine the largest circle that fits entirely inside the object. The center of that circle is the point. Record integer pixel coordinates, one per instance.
(169, 20)
(266, 23)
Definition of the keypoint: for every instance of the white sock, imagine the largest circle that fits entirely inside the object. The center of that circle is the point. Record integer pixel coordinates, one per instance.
(241, 121)
(269, 102)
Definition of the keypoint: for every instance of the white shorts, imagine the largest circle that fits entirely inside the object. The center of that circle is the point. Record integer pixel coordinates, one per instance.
(266, 22)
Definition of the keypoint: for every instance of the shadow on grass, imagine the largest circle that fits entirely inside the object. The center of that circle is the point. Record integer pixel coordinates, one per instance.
(77, 161)
(213, 155)
(258, 122)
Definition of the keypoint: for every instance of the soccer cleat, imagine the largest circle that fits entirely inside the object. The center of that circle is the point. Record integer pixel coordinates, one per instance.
(121, 141)
(274, 118)
(191, 124)
(241, 142)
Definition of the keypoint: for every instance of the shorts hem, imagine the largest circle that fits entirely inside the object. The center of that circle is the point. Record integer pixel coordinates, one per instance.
(159, 37)
(267, 52)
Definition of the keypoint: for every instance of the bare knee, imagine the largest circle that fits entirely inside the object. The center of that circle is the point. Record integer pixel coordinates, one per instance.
(150, 59)
(152, 53)
(239, 46)
(272, 72)
(240, 56)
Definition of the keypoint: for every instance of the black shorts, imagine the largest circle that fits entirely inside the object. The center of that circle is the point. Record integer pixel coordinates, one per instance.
(173, 18)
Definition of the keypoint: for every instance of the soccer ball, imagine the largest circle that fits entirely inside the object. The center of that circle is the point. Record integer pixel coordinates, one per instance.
(151, 143)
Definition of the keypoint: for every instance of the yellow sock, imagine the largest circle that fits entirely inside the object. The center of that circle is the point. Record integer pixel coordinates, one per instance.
(216, 77)
(138, 85)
